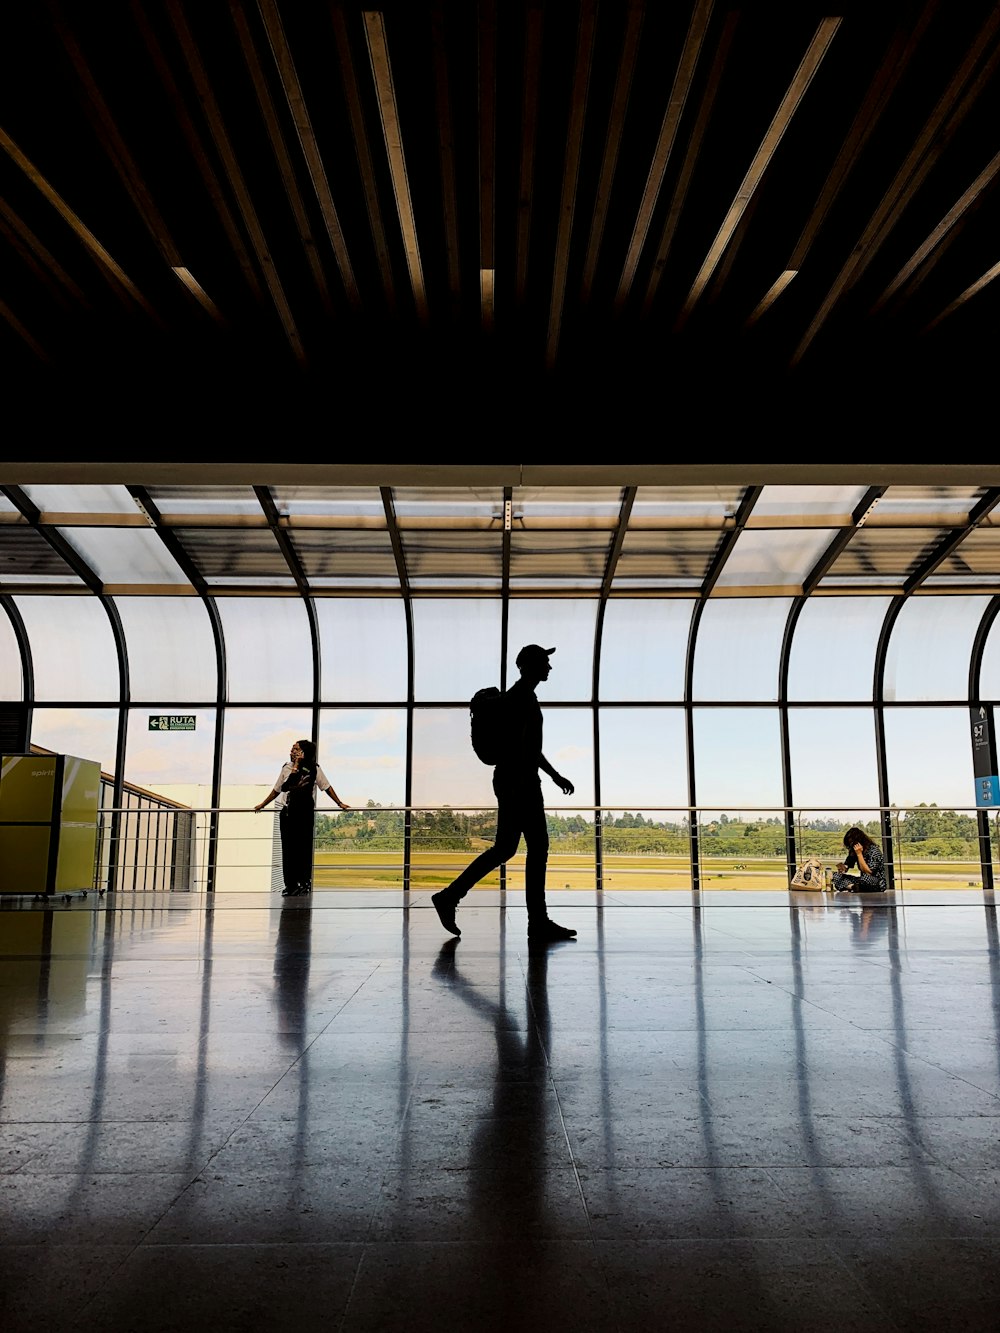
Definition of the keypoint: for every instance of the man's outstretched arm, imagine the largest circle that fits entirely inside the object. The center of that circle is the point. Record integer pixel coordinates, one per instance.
(564, 784)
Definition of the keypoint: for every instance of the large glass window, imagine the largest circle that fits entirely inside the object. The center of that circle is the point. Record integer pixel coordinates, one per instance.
(171, 649)
(569, 627)
(363, 753)
(362, 648)
(644, 760)
(176, 764)
(833, 648)
(989, 677)
(446, 772)
(930, 648)
(644, 649)
(738, 648)
(11, 676)
(73, 650)
(834, 766)
(456, 647)
(737, 755)
(256, 742)
(269, 653)
(88, 733)
(929, 756)
(644, 792)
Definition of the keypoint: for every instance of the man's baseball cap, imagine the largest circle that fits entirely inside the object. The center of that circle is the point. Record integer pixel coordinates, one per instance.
(532, 651)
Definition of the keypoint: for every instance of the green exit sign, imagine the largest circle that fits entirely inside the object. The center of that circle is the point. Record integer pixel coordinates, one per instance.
(171, 722)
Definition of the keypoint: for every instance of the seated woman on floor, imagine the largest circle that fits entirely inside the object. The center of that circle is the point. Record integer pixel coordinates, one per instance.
(867, 857)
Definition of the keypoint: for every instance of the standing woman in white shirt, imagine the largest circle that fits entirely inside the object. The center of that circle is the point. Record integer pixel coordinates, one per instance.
(294, 794)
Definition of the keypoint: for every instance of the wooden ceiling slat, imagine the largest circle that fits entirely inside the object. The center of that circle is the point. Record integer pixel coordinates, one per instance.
(972, 290)
(39, 259)
(816, 51)
(196, 148)
(110, 138)
(531, 81)
(282, 156)
(487, 158)
(122, 284)
(392, 133)
(898, 56)
(571, 173)
(362, 148)
(310, 147)
(921, 156)
(446, 157)
(612, 143)
(683, 79)
(220, 135)
(12, 321)
(931, 249)
(704, 115)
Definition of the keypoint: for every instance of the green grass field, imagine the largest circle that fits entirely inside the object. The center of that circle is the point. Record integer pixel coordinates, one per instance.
(432, 870)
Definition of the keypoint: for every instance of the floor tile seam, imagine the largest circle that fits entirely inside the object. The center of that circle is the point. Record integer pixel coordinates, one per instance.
(890, 1040)
(79, 1318)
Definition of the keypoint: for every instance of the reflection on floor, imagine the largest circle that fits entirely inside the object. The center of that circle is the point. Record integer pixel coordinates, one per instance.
(749, 1113)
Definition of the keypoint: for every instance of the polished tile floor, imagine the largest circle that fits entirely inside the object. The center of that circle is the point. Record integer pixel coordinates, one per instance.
(750, 1111)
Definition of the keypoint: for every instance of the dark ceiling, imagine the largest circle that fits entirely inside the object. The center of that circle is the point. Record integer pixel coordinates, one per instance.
(435, 219)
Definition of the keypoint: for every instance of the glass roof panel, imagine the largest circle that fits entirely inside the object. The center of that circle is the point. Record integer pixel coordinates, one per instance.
(944, 505)
(779, 556)
(329, 501)
(125, 555)
(673, 559)
(882, 555)
(26, 557)
(558, 555)
(457, 555)
(7, 506)
(977, 557)
(579, 506)
(349, 553)
(207, 500)
(806, 502)
(655, 503)
(230, 554)
(476, 507)
(81, 499)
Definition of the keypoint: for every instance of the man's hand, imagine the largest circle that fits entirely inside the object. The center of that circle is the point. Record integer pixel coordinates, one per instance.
(564, 784)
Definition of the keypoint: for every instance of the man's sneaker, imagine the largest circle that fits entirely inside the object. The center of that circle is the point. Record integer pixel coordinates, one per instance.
(547, 931)
(445, 909)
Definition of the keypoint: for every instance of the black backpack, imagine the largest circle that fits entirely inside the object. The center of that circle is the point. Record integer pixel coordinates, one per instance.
(486, 723)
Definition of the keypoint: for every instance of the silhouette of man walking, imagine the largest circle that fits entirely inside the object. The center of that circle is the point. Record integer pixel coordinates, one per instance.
(520, 808)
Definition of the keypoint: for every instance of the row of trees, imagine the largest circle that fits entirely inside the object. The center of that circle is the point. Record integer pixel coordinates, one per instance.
(925, 832)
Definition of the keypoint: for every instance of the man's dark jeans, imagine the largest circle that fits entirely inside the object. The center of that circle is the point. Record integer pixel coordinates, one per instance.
(520, 809)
